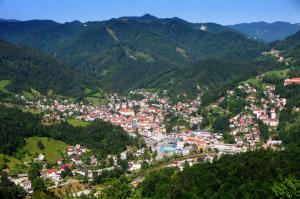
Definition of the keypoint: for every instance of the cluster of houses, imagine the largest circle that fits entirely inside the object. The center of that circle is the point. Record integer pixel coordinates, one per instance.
(277, 55)
(147, 116)
(244, 126)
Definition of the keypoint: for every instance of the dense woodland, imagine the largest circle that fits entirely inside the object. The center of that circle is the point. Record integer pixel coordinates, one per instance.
(257, 174)
(143, 52)
(100, 136)
(27, 68)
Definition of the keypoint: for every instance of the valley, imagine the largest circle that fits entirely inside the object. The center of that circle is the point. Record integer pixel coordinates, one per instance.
(147, 107)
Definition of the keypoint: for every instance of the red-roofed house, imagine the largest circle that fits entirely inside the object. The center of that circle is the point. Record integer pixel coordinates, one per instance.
(295, 80)
(126, 112)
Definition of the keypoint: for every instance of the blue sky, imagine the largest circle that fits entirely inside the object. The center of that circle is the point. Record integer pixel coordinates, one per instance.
(219, 11)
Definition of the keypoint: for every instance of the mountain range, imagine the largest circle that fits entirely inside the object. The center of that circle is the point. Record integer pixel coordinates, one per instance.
(267, 32)
(136, 52)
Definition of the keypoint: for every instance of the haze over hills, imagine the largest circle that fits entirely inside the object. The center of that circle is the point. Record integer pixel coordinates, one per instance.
(267, 32)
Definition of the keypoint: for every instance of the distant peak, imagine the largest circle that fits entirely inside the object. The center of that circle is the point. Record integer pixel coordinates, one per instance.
(145, 17)
(8, 20)
(148, 16)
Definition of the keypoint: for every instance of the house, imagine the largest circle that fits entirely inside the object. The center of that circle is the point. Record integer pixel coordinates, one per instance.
(93, 160)
(123, 155)
(70, 150)
(135, 166)
(65, 166)
(51, 173)
(41, 157)
(23, 182)
(273, 122)
(126, 112)
(76, 159)
(295, 80)
(59, 161)
(274, 142)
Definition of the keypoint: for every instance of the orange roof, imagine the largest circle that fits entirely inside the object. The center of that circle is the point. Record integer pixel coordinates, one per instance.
(125, 110)
(50, 171)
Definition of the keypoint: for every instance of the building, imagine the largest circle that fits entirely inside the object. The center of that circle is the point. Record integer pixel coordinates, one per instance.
(295, 80)
(24, 182)
(126, 112)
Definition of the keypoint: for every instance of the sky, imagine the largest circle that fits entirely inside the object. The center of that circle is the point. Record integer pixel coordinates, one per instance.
(225, 12)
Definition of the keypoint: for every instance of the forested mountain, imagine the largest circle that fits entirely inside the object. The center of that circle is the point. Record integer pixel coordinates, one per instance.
(135, 52)
(290, 47)
(290, 117)
(27, 68)
(267, 31)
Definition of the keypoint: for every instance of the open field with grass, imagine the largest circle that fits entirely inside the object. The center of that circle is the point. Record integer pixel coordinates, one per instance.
(4, 84)
(32, 110)
(8, 161)
(78, 123)
(53, 149)
(257, 83)
(280, 74)
(28, 95)
(96, 100)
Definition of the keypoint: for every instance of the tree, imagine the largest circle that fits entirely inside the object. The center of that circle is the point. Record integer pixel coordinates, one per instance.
(228, 138)
(40, 145)
(264, 132)
(119, 189)
(289, 188)
(67, 172)
(111, 161)
(34, 171)
(137, 194)
(38, 184)
(42, 195)
(124, 164)
(97, 178)
(154, 154)
(221, 124)
(145, 165)
(8, 189)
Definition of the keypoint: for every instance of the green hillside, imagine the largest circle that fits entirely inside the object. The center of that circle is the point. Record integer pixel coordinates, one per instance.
(4, 84)
(52, 149)
(22, 69)
(256, 174)
(7, 161)
(22, 130)
(141, 52)
(78, 123)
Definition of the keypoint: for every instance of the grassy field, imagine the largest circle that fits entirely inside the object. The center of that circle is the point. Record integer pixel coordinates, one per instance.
(8, 161)
(96, 100)
(257, 83)
(52, 148)
(78, 123)
(28, 95)
(31, 110)
(280, 74)
(294, 124)
(4, 84)
(31, 95)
